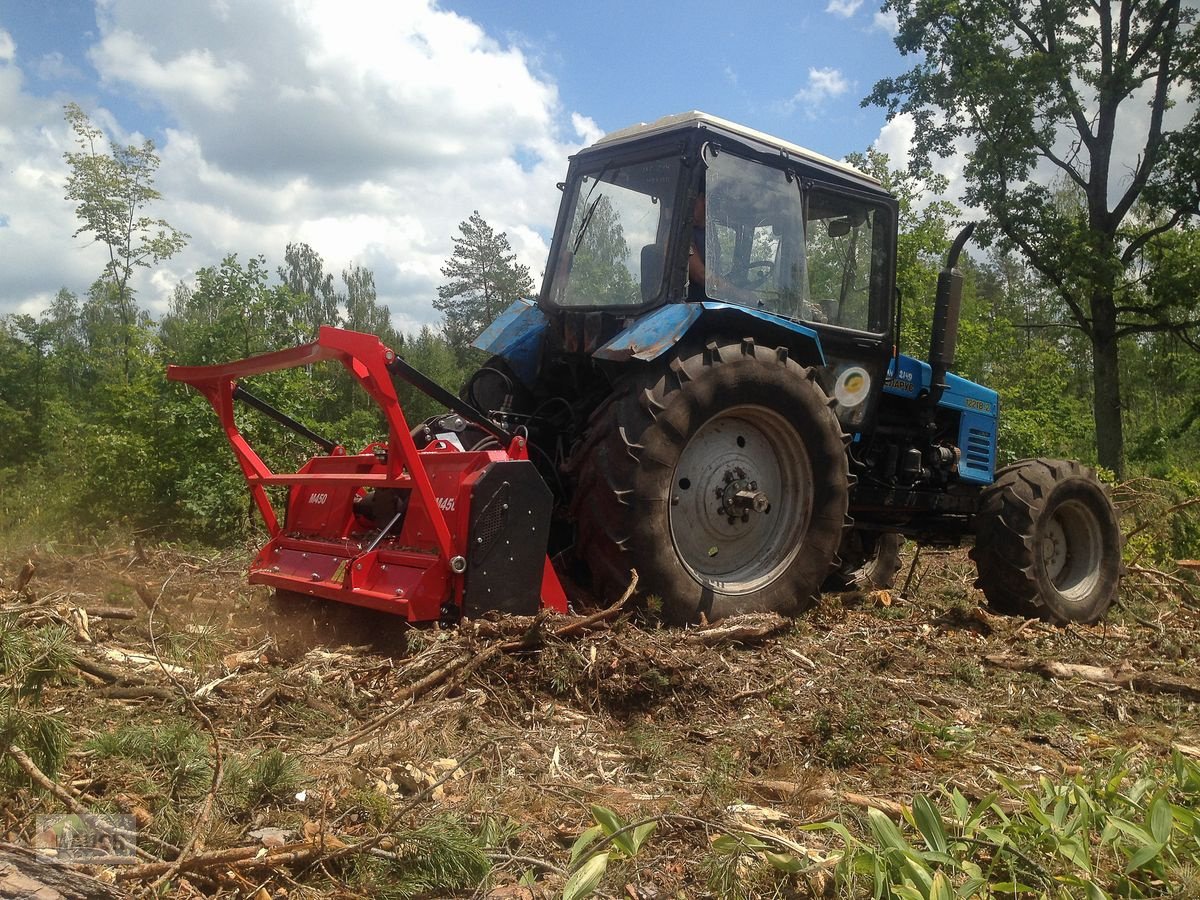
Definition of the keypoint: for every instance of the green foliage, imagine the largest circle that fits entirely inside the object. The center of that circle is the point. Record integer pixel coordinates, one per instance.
(437, 856)
(174, 756)
(29, 661)
(267, 777)
(1120, 832)
(610, 838)
(1020, 83)
(482, 278)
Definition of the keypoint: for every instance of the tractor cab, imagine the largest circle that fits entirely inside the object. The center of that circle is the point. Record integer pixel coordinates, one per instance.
(780, 229)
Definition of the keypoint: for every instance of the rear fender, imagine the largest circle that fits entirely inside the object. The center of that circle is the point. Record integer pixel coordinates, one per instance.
(653, 335)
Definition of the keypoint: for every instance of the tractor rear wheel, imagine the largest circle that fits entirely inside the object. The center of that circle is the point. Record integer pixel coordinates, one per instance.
(721, 477)
(870, 560)
(1047, 542)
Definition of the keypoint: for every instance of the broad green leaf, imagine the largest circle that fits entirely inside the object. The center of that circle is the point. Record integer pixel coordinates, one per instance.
(640, 834)
(607, 819)
(929, 822)
(941, 888)
(612, 824)
(1161, 819)
(1144, 856)
(1073, 851)
(836, 827)
(785, 862)
(737, 843)
(586, 878)
(981, 808)
(1129, 829)
(886, 832)
(960, 806)
(583, 841)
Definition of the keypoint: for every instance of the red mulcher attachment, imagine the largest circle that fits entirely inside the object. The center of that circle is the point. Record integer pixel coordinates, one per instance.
(427, 534)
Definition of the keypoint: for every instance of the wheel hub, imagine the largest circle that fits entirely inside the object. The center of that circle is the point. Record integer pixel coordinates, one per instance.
(740, 496)
(741, 499)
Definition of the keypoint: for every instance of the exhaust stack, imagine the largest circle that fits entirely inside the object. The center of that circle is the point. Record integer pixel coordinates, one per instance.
(946, 309)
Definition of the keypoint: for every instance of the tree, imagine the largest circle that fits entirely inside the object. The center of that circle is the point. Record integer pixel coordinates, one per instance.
(304, 274)
(1064, 86)
(483, 277)
(599, 275)
(112, 191)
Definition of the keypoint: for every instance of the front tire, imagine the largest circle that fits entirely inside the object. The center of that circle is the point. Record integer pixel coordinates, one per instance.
(870, 560)
(1047, 542)
(721, 477)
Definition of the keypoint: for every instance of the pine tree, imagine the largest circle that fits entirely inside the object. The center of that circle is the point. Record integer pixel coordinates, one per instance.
(483, 277)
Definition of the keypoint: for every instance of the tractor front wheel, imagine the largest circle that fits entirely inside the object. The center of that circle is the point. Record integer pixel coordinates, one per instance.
(1047, 542)
(721, 478)
(870, 560)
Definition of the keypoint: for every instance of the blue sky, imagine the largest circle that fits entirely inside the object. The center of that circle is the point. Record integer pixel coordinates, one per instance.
(370, 130)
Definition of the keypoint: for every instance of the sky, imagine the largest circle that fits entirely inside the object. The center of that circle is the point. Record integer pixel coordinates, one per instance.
(370, 130)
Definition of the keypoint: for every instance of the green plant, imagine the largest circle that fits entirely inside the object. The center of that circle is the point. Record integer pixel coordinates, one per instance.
(745, 866)
(270, 776)
(609, 838)
(29, 661)
(437, 856)
(1119, 833)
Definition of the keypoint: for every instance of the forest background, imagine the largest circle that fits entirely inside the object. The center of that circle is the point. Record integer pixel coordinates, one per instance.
(1082, 303)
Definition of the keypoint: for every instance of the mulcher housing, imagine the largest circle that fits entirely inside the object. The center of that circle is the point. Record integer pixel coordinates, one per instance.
(426, 534)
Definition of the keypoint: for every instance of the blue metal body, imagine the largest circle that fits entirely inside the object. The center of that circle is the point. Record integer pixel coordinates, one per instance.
(657, 332)
(519, 333)
(979, 406)
(517, 336)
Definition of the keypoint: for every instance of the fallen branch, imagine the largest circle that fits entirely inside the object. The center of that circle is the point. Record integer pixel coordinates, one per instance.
(743, 629)
(27, 874)
(233, 858)
(465, 665)
(777, 790)
(110, 612)
(127, 839)
(1138, 681)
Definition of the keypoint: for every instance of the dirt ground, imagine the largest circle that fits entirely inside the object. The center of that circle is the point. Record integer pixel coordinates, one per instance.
(336, 726)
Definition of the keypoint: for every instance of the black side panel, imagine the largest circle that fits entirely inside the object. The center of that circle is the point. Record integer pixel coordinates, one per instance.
(506, 539)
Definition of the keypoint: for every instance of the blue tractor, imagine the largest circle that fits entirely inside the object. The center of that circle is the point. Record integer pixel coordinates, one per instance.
(711, 386)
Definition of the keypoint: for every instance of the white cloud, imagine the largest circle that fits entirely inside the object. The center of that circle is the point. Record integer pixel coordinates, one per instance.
(843, 8)
(896, 140)
(8, 49)
(823, 84)
(368, 130)
(194, 74)
(887, 22)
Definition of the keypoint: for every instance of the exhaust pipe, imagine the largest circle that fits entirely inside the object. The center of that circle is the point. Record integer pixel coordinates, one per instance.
(946, 309)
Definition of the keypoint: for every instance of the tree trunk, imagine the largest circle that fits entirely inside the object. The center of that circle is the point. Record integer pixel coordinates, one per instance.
(25, 874)
(1106, 382)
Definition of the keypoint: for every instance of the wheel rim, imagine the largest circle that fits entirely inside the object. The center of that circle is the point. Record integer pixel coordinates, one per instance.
(737, 455)
(1072, 550)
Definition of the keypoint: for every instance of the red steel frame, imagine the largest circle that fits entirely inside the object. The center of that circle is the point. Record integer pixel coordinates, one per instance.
(366, 358)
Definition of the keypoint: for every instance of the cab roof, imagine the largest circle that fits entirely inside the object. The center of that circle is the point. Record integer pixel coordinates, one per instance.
(697, 119)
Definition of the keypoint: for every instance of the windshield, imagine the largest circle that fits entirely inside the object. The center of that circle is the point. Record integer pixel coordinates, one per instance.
(616, 244)
(807, 254)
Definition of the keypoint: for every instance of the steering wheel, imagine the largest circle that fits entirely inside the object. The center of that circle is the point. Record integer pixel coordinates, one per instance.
(741, 275)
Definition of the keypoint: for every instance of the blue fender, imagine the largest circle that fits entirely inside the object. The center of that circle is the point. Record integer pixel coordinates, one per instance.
(516, 335)
(654, 334)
